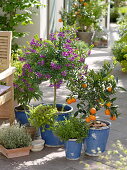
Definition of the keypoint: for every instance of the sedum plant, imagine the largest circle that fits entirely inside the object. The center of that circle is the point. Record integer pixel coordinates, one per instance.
(14, 137)
(42, 115)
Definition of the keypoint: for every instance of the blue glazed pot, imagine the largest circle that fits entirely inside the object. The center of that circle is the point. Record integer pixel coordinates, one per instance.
(21, 116)
(50, 139)
(73, 149)
(96, 141)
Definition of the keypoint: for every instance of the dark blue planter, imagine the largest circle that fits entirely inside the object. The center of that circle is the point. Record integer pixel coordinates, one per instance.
(50, 139)
(21, 117)
(96, 141)
(73, 149)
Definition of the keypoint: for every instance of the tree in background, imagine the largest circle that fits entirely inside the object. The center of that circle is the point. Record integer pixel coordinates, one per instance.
(15, 13)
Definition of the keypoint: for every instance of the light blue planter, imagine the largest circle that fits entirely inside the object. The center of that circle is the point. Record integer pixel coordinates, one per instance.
(50, 139)
(73, 149)
(96, 141)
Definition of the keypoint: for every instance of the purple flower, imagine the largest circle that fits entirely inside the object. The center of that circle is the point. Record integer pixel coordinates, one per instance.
(27, 66)
(27, 53)
(33, 51)
(15, 85)
(41, 62)
(48, 76)
(67, 65)
(71, 58)
(42, 56)
(31, 89)
(75, 55)
(55, 66)
(24, 80)
(52, 38)
(68, 41)
(61, 34)
(39, 75)
(65, 54)
(51, 85)
(64, 73)
(22, 59)
(82, 60)
(73, 65)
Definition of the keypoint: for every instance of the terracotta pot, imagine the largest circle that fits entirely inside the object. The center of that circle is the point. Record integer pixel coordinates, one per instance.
(13, 153)
(85, 36)
(31, 131)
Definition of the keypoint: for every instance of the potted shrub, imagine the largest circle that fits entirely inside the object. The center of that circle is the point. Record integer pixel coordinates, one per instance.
(56, 60)
(25, 89)
(87, 16)
(44, 117)
(94, 91)
(72, 131)
(14, 141)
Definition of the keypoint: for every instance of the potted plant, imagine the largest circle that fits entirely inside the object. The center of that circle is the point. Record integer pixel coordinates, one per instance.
(25, 89)
(72, 131)
(56, 60)
(86, 14)
(14, 141)
(94, 91)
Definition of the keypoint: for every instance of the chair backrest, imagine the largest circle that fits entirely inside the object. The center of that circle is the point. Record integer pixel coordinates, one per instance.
(5, 49)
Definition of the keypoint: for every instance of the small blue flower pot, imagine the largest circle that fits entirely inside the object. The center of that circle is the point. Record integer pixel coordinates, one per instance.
(50, 139)
(73, 149)
(96, 141)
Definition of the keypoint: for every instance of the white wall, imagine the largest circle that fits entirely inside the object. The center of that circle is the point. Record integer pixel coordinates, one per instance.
(59, 6)
(32, 29)
(43, 20)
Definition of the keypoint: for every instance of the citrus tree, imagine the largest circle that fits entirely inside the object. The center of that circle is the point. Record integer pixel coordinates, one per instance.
(94, 91)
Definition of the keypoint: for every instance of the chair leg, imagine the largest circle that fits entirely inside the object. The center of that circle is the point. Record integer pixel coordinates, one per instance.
(12, 114)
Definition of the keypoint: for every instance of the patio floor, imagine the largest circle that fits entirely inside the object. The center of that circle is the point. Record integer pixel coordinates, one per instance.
(54, 158)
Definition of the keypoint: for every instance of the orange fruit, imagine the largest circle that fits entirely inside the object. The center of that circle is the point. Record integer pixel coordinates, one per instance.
(109, 89)
(81, 0)
(84, 85)
(92, 117)
(60, 20)
(93, 110)
(85, 4)
(73, 100)
(88, 119)
(108, 104)
(69, 101)
(107, 112)
(113, 117)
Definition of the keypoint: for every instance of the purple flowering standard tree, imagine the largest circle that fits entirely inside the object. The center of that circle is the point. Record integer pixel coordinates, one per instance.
(56, 59)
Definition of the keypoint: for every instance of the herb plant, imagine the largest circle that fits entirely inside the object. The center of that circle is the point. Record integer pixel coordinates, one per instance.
(73, 128)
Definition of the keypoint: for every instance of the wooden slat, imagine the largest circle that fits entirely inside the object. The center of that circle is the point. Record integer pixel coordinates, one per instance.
(7, 73)
(6, 97)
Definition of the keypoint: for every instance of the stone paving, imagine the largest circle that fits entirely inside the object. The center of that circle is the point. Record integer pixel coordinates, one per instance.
(54, 158)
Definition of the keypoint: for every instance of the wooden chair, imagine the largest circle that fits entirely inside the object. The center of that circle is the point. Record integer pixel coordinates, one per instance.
(6, 77)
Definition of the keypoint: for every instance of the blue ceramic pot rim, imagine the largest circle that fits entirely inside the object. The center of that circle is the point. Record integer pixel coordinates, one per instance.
(101, 128)
(20, 110)
(64, 112)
